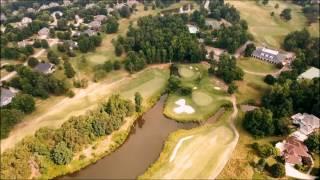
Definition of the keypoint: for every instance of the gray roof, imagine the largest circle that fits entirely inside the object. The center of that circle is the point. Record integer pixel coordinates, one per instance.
(43, 67)
(89, 32)
(269, 55)
(310, 73)
(6, 96)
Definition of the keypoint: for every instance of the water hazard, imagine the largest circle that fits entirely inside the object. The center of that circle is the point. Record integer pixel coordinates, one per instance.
(141, 149)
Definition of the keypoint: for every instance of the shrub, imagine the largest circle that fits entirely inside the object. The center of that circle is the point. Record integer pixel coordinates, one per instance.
(277, 170)
(32, 62)
(61, 154)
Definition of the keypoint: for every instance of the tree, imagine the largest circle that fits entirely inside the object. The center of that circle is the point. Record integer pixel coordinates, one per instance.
(53, 57)
(272, 13)
(265, 2)
(232, 88)
(44, 44)
(125, 11)
(108, 66)
(277, 170)
(286, 14)
(118, 49)
(313, 142)
(276, 6)
(111, 25)
(134, 62)
(37, 43)
(138, 101)
(116, 65)
(264, 150)
(249, 50)
(32, 62)
(24, 103)
(259, 122)
(61, 154)
(269, 79)
(68, 69)
(9, 117)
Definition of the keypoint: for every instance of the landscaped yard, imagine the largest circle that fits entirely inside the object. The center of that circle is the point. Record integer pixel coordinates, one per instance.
(199, 153)
(255, 65)
(271, 30)
(206, 97)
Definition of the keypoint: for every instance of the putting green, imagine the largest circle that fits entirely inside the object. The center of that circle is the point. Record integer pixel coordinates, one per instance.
(186, 72)
(201, 98)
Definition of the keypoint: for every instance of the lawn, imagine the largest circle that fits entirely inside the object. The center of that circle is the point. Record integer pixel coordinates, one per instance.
(255, 65)
(199, 153)
(271, 30)
(204, 99)
(251, 89)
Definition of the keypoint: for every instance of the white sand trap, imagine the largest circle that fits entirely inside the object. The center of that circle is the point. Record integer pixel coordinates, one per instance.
(173, 155)
(217, 88)
(190, 67)
(196, 68)
(182, 107)
(195, 87)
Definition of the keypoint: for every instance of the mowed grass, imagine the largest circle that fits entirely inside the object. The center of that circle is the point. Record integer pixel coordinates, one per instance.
(255, 65)
(251, 89)
(57, 110)
(201, 156)
(204, 99)
(268, 29)
(238, 167)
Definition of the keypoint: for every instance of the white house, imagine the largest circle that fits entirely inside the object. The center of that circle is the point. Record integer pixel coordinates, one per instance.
(43, 33)
(26, 20)
(192, 29)
(307, 122)
(6, 97)
(310, 74)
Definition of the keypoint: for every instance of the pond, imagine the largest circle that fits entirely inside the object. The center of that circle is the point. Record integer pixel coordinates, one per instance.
(140, 150)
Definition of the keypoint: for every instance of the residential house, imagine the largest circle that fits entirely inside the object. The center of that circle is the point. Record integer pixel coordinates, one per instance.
(3, 17)
(72, 44)
(89, 6)
(95, 25)
(6, 97)
(66, 3)
(53, 4)
(192, 29)
(31, 10)
(43, 7)
(25, 42)
(89, 32)
(269, 55)
(307, 122)
(26, 20)
(45, 68)
(310, 74)
(43, 33)
(294, 151)
(100, 18)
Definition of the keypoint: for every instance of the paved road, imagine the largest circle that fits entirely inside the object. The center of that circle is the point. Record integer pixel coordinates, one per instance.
(38, 54)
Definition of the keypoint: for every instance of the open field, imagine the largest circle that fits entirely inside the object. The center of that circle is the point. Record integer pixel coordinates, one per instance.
(186, 156)
(206, 97)
(271, 30)
(251, 88)
(255, 65)
(57, 110)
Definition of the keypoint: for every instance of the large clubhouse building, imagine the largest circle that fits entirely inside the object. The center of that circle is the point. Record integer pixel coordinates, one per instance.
(271, 56)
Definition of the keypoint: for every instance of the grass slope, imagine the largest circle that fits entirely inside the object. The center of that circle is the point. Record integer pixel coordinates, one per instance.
(194, 158)
(271, 30)
(255, 65)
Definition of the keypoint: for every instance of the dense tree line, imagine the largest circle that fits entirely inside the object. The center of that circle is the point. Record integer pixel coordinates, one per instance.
(231, 38)
(158, 40)
(37, 84)
(52, 148)
(89, 43)
(219, 9)
(226, 69)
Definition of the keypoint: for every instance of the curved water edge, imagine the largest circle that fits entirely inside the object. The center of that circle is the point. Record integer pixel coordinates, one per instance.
(142, 147)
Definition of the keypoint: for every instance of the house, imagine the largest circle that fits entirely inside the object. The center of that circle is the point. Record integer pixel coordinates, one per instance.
(45, 68)
(269, 55)
(100, 18)
(3, 17)
(91, 5)
(294, 151)
(307, 122)
(95, 25)
(53, 4)
(44, 33)
(15, 13)
(192, 29)
(25, 42)
(72, 44)
(310, 74)
(66, 3)
(31, 10)
(6, 97)
(43, 7)
(89, 32)
(26, 21)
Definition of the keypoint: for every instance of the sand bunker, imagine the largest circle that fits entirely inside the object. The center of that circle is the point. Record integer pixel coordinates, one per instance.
(195, 87)
(217, 88)
(182, 107)
(190, 67)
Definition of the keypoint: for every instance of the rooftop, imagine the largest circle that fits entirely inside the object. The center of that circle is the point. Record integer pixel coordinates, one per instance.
(310, 73)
